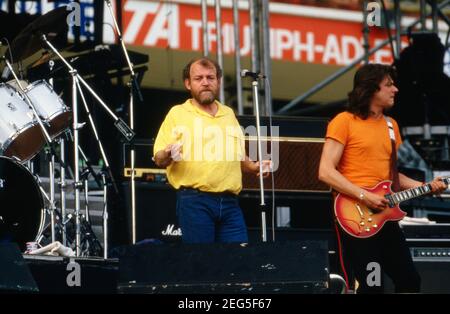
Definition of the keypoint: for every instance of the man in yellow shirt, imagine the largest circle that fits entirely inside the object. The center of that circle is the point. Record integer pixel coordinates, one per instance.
(201, 144)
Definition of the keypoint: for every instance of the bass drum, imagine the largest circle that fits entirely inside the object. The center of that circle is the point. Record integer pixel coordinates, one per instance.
(21, 204)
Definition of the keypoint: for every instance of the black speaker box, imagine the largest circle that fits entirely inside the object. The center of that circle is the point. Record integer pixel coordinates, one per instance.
(52, 273)
(156, 210)
(434, 275)
(431, 258)
(225, 268)
(15, 276)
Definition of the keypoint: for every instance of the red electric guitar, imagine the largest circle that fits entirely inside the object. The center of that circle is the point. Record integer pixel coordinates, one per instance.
(362, 222)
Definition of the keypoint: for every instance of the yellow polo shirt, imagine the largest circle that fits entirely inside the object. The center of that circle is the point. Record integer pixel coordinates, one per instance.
(212, 148)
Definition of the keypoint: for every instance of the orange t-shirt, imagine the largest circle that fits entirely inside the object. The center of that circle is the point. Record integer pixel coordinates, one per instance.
(367, 151)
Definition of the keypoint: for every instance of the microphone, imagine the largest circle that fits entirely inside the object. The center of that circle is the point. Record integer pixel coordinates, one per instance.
(253, 75)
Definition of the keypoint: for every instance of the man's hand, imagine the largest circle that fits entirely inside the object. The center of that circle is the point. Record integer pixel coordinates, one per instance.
(174, 151)
(164, 157)
(438, 186)
(266, 168)
(374, 201)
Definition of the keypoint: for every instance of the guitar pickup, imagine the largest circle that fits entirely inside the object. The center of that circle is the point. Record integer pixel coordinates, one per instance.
(360, 211)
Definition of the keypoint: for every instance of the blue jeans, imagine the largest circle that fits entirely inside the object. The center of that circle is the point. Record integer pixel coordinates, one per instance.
(210, 217)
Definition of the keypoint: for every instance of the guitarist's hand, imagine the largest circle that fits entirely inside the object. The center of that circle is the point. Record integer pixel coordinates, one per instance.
(438, 186)
(375, 201)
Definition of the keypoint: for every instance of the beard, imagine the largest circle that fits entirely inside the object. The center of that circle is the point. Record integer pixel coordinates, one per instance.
(205, 97)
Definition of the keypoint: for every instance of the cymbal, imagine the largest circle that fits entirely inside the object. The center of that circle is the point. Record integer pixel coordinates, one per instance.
(29, 40)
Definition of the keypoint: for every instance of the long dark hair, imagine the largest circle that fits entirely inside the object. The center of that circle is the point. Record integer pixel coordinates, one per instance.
(365, 84)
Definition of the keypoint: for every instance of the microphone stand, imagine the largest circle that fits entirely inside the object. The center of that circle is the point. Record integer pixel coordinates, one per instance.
(261, 181)
(134, 87)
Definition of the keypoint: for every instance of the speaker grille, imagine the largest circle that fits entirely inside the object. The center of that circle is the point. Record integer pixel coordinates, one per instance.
(298, 165)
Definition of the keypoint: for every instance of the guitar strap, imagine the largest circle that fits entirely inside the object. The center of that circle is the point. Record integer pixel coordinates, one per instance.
(393, 166)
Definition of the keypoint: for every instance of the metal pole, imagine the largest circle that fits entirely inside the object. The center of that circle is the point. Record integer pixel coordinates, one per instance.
(267, 60)
(254, 36)
(52, 196)
(219, 47)
(366, 44)
(133, 173)
(237, 56)
(423, 15)
(398, 28)
(105, 218)
(62, 184)
(434, 14)
(205, 28)
(131, 114)
(86, 198)
(75, 161)
(260, 158)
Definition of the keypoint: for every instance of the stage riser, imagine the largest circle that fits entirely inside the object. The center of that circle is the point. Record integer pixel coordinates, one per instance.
(225, 268)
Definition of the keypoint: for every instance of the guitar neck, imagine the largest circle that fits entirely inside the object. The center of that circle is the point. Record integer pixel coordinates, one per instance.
(397, 198)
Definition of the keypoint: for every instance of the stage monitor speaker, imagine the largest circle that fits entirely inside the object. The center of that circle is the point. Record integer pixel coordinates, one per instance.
(433, 265)
(225, 268)
(74, 275)
(15, 276)
(296, 164)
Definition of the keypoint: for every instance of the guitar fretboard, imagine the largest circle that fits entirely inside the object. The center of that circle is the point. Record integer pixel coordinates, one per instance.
(397, 198)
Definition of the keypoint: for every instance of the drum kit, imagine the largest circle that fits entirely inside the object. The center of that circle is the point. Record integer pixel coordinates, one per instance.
(32, 116)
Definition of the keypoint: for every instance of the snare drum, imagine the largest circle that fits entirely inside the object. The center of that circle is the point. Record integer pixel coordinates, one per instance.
(21, 204)
(50, 107)
(20, 134)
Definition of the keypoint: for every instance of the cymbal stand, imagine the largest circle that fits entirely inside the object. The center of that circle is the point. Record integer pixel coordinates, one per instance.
(99, 142)
(62, 171)
(119, 123)
(134, 87)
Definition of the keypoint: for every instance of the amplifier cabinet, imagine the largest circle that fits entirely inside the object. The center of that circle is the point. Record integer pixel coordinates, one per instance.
(295, 161)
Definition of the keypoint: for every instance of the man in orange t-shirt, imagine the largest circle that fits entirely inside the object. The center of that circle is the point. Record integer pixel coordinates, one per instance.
(357, 154)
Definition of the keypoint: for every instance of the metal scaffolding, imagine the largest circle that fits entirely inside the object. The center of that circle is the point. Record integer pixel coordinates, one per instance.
(260, 46)
(394, 41)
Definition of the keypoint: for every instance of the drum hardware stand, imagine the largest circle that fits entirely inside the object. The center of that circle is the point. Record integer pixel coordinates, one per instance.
(134, 87)
(105, 217)
(100, 145)
(86, 195)
(62, 182)
(48, 140)
(62, 186)
(126, 131)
